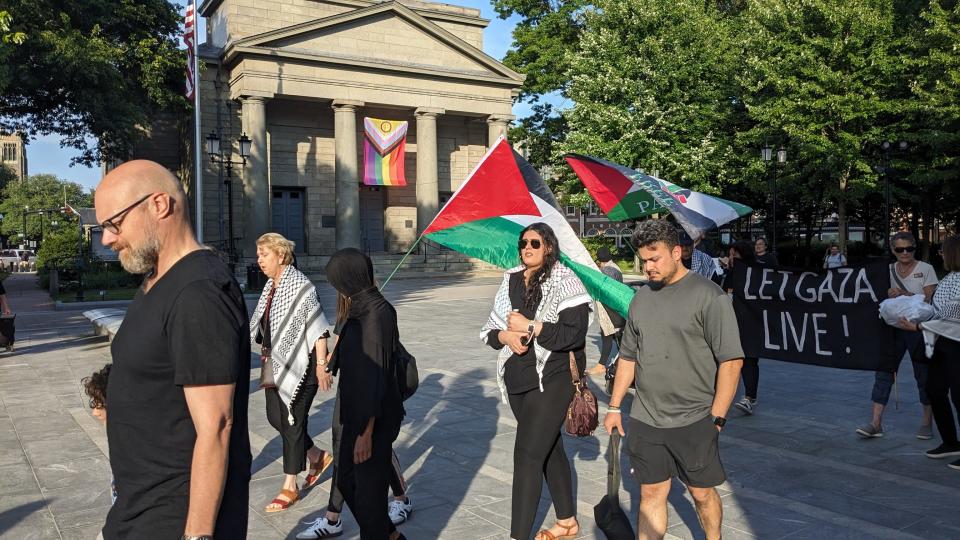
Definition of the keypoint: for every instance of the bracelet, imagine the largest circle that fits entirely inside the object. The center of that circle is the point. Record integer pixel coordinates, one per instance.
(614, 410)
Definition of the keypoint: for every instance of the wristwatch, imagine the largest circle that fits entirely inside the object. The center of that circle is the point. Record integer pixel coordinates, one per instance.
(202, 537)
(719, 421)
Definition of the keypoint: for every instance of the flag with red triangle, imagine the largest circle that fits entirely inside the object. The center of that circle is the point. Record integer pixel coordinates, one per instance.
(502, 195)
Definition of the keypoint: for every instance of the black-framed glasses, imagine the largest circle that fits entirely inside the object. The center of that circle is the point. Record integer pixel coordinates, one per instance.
(908, 249)
(534, 243)
(113, 222)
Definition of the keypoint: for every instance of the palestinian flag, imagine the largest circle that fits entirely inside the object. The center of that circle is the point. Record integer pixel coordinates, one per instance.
(503, 195)
(624, 193)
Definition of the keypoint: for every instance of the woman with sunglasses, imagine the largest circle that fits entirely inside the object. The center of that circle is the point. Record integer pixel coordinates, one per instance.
(539, 319)
(908, 277)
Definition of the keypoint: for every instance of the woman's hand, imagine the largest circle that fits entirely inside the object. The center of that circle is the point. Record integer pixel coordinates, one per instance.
(363, 448)
(894, 292)
(512, 340)
(907, 325)
(324, 378)
(517, 322)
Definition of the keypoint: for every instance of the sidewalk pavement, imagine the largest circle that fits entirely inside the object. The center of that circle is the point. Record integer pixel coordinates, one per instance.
(796, 470)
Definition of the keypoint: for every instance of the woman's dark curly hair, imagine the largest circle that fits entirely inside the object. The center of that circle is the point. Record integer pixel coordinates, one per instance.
(745, 250)
(532, 295)
(96, 387)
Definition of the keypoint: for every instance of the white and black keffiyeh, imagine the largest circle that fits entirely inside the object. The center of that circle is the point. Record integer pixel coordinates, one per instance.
(562, 290)
(946, 321)
(297, 321)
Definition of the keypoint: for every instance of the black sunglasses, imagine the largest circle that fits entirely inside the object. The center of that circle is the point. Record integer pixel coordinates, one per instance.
(908, 249)
(535, 244)
(113, 222)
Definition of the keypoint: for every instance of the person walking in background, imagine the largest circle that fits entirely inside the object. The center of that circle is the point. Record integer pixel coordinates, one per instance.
(369, 402)
(943, 382)
(743, 253)
(178, 388)
(291, 331)
(764, 257)
(833, 258)
(681, 346)
(610, 269)
(694, 259)
(539, 319)
(908, 277)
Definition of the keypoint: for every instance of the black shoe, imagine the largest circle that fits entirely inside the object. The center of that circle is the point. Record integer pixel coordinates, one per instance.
(955, 465)
(944, 450)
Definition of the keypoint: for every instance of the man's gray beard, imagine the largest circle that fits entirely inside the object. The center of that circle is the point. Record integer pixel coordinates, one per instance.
(141, 260)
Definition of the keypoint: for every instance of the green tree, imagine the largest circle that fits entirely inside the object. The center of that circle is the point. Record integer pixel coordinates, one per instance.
(817, 77)
(59, 248)
(39, 192)
(89, 68)
(654, 88)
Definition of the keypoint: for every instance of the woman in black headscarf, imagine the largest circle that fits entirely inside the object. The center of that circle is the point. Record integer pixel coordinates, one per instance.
(369, 400)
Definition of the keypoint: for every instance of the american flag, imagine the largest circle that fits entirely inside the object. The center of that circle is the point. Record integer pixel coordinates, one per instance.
(189, 37)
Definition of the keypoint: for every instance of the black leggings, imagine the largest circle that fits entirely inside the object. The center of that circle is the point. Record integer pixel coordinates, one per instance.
(751, 377)
(397, 483)
(606, 346)
(943, 386)
(364, 485)
(538, 452)
(296, 441)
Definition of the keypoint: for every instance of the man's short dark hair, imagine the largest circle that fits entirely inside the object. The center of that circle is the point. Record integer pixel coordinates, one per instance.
(603, 254)
(651, 231)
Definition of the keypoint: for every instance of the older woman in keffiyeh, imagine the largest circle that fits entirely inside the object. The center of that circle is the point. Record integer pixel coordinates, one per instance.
(539, 323)
(289, 329)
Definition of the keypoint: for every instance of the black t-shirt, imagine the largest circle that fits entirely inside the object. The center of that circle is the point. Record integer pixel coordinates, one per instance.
(569, 333)
(768, 259)
(190, 329)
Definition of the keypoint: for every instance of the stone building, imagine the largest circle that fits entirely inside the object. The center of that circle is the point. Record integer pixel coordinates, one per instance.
(13, 154)
(299, 76)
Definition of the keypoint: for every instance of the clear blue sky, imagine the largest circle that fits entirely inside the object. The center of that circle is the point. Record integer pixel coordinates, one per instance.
(44, 154)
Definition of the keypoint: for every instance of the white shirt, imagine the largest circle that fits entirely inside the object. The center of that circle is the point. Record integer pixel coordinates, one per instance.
(922, 275)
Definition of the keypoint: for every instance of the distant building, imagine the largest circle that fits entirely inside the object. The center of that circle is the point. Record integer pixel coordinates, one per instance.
(13, 154)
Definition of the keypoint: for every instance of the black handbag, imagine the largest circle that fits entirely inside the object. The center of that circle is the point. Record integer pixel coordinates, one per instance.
(610, 518)
(408, 378)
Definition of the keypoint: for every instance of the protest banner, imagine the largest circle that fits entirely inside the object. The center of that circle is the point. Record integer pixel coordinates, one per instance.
(827, 318)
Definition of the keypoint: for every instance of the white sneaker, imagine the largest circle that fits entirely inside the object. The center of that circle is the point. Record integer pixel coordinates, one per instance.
(746, 405)
(400, 511)
(321, 528)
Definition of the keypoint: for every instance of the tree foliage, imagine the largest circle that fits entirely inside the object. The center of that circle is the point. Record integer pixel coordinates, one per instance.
(89, 68)
(39, 192)
(694, 89)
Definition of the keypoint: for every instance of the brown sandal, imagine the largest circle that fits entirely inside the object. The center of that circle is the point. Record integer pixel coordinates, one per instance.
(292, 496)
(317, 469)
(545, 534)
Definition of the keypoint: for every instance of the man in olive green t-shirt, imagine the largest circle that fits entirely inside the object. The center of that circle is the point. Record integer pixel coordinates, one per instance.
(681, 345)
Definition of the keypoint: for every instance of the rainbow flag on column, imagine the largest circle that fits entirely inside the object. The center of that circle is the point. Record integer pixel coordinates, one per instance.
(384, 145)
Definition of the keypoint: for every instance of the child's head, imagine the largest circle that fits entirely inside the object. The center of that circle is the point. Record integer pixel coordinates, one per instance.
(96, 388)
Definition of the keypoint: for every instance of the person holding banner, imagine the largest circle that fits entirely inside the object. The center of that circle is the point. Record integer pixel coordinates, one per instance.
(764, 257)
(833, 258)
(908, 277)
(539, 324)
(681, 345)
(943, 383)
(743, 253)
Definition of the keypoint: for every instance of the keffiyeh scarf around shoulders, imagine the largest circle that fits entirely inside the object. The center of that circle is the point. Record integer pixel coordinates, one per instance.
(297, 321)
(562, 290)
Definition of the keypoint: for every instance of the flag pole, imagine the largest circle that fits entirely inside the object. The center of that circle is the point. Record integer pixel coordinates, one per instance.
(405, 255)
(197, 149)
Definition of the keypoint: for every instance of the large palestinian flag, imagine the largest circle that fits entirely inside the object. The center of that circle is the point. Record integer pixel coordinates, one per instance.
(624, 193)
(503, 195)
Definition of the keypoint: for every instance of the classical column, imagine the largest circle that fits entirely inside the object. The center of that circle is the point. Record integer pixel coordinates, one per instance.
(497, 125)
(428, 194)
(256, 191)
(345, 170)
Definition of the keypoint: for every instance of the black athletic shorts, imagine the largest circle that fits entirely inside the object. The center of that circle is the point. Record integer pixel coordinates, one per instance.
(689, 453)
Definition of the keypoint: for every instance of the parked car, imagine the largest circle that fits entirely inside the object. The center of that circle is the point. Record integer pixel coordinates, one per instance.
(12, 260)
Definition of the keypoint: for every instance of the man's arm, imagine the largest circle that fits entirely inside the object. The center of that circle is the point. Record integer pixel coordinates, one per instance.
(626, 371)
(5, 307)
(728, 376)
(211, 408)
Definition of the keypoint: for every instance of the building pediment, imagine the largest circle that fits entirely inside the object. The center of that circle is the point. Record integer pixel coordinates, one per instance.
(388, 36)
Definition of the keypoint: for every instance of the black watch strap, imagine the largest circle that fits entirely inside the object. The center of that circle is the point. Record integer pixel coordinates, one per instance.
(719, 421)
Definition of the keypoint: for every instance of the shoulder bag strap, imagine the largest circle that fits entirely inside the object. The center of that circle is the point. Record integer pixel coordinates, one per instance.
(613, 467)
(574, 372)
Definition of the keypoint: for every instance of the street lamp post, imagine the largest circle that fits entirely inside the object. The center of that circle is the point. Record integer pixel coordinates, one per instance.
(226, 162)
(767, 154)
(886, 146)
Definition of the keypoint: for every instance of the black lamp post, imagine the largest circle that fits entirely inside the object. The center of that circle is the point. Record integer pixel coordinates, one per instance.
(225, 162)
(781, 159)
(886, 146)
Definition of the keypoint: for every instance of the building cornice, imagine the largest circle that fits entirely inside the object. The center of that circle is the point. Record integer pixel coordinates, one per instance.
(209, 6)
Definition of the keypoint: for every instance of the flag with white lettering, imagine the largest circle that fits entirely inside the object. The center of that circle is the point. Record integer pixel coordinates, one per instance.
(827, 318)
(189, 35)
